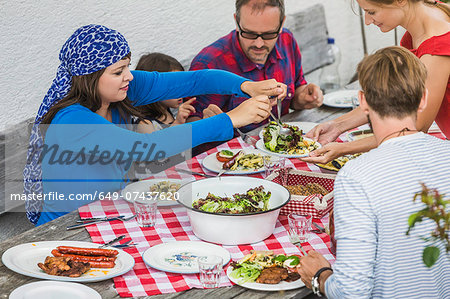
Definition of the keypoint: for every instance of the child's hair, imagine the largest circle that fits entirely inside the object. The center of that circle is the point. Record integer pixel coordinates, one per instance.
(160, 63)
(393, 81)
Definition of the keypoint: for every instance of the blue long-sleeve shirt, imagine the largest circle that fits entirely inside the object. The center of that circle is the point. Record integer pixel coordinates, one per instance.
(85, 154)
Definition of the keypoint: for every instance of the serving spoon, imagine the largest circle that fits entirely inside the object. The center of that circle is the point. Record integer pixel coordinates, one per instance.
(283, 131)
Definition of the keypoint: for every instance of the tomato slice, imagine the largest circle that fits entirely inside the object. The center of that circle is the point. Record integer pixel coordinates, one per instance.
(223, 159)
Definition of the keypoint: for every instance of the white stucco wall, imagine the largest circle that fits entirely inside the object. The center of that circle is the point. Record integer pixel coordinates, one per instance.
(32, 33)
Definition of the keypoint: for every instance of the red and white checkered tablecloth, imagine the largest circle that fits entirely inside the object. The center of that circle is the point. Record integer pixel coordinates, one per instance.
(172, 224)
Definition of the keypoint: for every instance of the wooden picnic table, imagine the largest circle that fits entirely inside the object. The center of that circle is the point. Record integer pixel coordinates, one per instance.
(56, 230)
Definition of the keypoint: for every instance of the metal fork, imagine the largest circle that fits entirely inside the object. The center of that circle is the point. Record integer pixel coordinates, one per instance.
(95, 222)
(299, 245)
(247, 138)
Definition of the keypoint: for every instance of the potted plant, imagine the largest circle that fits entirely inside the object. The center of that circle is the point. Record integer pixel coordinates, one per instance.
(435, 209)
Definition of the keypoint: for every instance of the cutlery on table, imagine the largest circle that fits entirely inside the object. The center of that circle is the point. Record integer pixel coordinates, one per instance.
(98, 219)
(115, 240)
(299, 245)
(321, 229)
(121, 218)
(193, 172)
(222, 171)
(127, 244)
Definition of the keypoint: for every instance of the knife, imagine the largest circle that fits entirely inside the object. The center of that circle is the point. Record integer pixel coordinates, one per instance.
(193, 172)
(90, 222)
(319, 227)
(98, 219)
(113, 241)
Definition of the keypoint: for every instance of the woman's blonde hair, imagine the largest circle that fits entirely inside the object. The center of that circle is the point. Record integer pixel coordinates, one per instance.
(393, 81)
(442, 6)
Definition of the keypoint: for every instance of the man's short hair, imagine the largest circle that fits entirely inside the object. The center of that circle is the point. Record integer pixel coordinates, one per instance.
(393, 81)
(260, 5)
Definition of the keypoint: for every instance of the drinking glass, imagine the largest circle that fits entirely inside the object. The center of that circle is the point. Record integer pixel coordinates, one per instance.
(145, 211)
(299, 227)
(272, 163)
(210, 268)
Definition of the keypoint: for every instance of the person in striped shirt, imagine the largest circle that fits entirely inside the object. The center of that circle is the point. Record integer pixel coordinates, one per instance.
(374, 193)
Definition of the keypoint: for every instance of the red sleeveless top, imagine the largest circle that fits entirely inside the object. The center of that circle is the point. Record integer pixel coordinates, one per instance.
(436, 45)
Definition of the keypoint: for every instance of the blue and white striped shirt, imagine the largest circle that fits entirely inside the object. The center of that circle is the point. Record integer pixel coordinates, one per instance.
(373, 200)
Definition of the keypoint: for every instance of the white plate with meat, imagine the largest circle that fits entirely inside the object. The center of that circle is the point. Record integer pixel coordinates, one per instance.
(24, 259)
(281, 286)
(249, 162)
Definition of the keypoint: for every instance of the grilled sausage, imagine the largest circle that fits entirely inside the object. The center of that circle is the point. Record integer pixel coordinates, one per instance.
(102, 264)
(84, 258)
(87, 251)
(229, 164)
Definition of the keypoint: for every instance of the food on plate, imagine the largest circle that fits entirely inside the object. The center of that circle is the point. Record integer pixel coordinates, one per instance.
(224, 155)
(308, 189)
(254, 200)
(87, 251)
(165, 187)
(85, 258)
(337, 163)
(293, 144)
(94, 257)
(265, 267)
(359, 134)
(247, 162)
(64, 266)
(232, 161)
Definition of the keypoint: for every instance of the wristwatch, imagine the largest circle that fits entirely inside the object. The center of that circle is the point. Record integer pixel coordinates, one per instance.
(315, 287)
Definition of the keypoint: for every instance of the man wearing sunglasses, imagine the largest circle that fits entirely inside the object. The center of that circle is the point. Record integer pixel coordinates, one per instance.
(258, 49)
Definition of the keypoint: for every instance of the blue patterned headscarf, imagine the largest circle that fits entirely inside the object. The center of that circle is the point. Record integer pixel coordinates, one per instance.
(90, 48)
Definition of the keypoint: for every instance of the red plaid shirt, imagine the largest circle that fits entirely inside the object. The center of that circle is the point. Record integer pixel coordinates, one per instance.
(283, 64)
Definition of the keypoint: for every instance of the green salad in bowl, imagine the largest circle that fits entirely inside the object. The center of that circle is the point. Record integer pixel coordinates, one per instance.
(254, 200)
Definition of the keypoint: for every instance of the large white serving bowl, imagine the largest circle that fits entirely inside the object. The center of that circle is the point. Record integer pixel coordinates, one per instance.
(233, 229)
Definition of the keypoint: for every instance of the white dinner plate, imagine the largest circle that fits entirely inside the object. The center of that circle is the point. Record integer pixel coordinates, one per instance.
(282, 286)
(181, 256)
(54, 289)
(24, 259)
(260, 145)
(302, 125)
(341, 98)
(212, 164)
(141, 189)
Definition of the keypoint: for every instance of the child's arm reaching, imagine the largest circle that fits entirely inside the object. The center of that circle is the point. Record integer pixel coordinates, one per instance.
(184, 111)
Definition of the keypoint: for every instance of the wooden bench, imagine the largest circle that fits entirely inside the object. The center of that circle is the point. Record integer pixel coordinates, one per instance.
(13, 154)
(310, 30)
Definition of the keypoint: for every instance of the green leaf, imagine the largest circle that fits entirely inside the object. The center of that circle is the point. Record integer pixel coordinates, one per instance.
(430, 255)
(412, 219)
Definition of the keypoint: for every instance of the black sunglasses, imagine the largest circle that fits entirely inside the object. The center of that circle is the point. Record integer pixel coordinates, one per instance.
(264, 36)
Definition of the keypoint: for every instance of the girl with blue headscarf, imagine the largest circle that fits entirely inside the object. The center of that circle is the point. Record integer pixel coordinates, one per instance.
(88, 146)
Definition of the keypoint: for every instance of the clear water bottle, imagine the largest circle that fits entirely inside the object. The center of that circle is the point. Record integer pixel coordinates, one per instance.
(329, 78)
